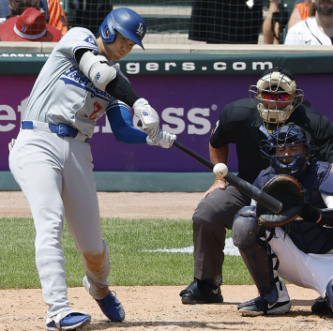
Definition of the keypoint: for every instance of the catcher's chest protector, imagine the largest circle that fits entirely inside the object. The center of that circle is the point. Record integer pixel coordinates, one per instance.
(309, 238)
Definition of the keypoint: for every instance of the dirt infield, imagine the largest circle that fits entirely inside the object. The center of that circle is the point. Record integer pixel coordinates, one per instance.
(153, 307)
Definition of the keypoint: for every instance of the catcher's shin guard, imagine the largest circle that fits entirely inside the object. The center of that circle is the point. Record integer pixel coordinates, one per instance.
(329, 294)
(255, 252)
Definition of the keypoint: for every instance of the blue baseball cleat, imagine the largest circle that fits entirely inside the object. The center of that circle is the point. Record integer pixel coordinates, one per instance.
(72, 321)
(111, 307)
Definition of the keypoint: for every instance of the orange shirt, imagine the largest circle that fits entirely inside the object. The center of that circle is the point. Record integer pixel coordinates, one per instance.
(303, 9)
(57, 16)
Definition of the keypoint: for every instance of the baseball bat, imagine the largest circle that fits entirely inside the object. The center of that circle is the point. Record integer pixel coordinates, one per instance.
(248, 189)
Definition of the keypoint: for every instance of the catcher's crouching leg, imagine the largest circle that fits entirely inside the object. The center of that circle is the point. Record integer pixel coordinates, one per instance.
(259, 261)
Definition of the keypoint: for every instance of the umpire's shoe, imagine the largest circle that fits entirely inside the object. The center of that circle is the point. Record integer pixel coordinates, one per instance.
(201, 292)
(260, 306)
(111, 307)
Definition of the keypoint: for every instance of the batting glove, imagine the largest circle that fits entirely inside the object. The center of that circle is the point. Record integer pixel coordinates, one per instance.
(163, 139)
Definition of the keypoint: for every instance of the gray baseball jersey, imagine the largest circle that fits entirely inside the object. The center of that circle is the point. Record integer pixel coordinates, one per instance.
(62, 93)
(55, 173)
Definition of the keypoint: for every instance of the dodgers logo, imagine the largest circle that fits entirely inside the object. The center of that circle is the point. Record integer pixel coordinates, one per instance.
(144, 113)
(140, 31)
(91, 40)
(98, 75)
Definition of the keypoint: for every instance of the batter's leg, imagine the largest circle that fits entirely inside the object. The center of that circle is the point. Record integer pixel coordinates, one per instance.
(83, 219)
(37, 169)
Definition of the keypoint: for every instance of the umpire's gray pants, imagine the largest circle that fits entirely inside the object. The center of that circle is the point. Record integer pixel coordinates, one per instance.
(212, 216)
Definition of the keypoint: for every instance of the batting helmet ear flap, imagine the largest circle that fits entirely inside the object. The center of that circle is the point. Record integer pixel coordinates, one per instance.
(107, 32)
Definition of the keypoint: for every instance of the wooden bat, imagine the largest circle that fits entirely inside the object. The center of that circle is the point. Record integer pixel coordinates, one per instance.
(251, 191)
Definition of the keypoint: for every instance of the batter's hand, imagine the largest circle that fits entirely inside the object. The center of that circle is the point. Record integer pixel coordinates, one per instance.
(219, 184)
(162, 138)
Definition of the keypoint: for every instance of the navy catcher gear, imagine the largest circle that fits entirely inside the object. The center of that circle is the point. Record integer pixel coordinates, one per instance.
(290, 192)
(247, 237)
(288, 135)
(127, 22)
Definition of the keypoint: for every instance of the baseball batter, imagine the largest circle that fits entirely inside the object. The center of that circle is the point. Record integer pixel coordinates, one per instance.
(52, 161)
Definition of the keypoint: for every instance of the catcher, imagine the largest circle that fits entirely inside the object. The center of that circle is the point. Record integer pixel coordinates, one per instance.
(297, 243)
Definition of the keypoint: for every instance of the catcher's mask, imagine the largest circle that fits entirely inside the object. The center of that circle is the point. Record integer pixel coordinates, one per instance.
(288, 135)
(276, 96)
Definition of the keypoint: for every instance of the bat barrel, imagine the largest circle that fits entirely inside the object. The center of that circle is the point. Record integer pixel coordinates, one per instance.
(254, 193)
(251, 191)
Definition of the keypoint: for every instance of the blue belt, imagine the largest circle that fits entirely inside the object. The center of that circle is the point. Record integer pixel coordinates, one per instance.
(62, 130)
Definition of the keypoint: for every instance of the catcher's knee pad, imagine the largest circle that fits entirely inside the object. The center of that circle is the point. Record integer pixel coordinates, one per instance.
(245, 227)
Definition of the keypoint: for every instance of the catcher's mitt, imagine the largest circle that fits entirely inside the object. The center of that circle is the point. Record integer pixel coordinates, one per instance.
(287, 190)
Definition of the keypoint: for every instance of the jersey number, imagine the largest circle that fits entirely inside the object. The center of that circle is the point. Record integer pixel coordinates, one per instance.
(97, 108)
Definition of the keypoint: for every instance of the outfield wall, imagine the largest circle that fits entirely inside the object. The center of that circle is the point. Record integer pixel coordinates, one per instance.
(187, 86)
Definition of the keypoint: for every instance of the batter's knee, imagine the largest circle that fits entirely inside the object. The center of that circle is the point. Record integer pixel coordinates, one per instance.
(245, 227)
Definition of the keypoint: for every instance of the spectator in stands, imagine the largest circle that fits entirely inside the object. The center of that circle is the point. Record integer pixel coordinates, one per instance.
(29, 26)
(277, 20)
(54, 12)
(56, 15)
(4, 10)
(17, 7)
(300, 13)
(91, 13)
(315, 30)
(225, 21)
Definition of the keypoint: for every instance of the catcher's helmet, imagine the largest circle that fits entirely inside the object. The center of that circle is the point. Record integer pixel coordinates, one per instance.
(282, 83)
(286, 136)
(127, 22)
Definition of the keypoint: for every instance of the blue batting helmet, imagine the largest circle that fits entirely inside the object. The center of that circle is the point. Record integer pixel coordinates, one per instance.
(127, 22)
(288, 135)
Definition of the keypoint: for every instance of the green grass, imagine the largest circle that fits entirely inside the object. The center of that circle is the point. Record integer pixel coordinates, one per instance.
(129, 265)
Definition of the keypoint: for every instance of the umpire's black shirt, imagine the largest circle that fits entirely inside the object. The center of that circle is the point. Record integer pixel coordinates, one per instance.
(240, 123)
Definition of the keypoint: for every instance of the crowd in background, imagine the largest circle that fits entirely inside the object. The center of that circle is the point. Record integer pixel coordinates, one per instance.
(25, 20)
(300, 22)
(292, 22)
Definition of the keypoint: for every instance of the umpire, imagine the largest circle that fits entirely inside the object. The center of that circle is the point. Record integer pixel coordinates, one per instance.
(274, 100)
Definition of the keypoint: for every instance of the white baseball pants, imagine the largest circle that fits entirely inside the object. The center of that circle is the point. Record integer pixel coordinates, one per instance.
(56, 176)
(312, 271)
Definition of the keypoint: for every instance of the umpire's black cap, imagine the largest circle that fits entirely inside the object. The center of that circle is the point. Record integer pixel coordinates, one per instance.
(279, 69)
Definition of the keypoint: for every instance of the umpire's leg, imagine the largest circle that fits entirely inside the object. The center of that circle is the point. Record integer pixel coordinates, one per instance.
(212, 216)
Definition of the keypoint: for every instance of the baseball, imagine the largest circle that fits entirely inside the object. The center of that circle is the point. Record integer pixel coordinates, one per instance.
(220, 170)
